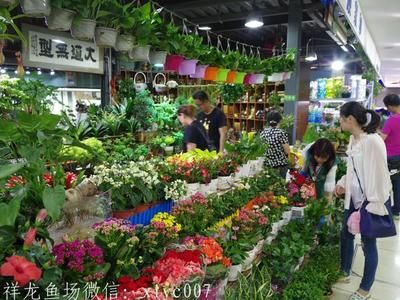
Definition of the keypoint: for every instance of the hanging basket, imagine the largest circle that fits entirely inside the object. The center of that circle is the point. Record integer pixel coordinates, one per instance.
(60, 19)
(6, 3)
(160, 87)
(124, 43)
(239, 78)
(200, 72)
(211, 73)
(173, 62)
(257, 79)
(83, 29)
(222, 75)
(141, 53)
(141, 86)
(106, 37)
(188, 67)
(231, 77)
(247, 78)
(158, 57)
(36, 8)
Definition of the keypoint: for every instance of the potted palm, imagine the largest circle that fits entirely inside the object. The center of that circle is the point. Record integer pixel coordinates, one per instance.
(84, 24)
(61, 16)
(120, 16)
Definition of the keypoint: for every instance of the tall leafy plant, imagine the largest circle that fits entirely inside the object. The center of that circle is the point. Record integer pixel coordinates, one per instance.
(8, 22)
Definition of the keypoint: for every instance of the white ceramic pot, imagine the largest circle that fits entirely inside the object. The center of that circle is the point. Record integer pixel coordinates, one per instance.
(213, 185)
(124, 43)
(106, 37)
(36, 8)
(83, 29)
(276, 77)
(60, 19)
(234, 272)
(141, 54)
(193, 188)
(158, 57)
(6, 3)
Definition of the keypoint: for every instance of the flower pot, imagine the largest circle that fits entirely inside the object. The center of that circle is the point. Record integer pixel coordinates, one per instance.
(276, 77)
(298, 212)
(60, 19)
(287, 75)
(245, 170)
(106, 37)
(222, 75)
(239, 78)
(36, 8)
(213, 185)
(83, 29)
(141, 53)
(234, 272)
(253, 166)
(193, 188)
(124, 43)
(257, 79)
(204, 189)
(6, 3)
(231, 77)
(188, 67)
(200, 72)
(173, 62)
(211, 73)
(224, 182)
(124, 214)
(287, 215)
(247, 78)
(158, 57)
(140, 86)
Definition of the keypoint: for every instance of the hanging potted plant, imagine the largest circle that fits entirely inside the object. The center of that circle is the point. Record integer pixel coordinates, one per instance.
(213, 57)
(61, 15)
(194, 49)
(36, 8)
(120, 16)
(160, 43)
(6, 3)
(232, 62)
(176, 48)
(84, 24)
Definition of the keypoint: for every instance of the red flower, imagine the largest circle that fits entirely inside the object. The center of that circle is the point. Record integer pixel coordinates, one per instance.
(48, 179)
(69, 180)
(21, 269)
(14, 181)
(30, 236)
(41, 216)
(126, 283)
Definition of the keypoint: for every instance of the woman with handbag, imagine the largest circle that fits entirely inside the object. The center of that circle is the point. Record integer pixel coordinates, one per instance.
(320, 166)
(391, 135)
(367, 189)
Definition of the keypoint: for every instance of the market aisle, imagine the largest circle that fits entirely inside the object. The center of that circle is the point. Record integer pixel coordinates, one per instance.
(387, 284)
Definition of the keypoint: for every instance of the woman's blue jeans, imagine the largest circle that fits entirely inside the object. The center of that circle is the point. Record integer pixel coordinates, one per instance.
(347, 252)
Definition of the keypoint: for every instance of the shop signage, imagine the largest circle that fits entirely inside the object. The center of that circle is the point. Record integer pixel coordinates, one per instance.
(58, 51)
(355, 17)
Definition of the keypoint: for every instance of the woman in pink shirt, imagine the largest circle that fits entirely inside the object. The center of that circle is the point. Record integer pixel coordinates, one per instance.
(391, 134)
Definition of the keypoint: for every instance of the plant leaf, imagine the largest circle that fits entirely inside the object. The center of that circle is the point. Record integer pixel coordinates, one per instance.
(53, 200)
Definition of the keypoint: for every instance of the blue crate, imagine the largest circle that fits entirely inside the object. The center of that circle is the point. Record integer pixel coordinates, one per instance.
(145, 217)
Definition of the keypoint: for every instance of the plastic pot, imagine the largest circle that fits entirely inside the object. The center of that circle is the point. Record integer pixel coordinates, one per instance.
(211, 73)
(173, 62)
(200, 72)
(276, 77)
(141, 53)
(60, 19)
(158, 57)
(124, 43)
(247, 78)
(36, 8)
(188, 67)
(83, 29)
(106, 37)
(239, 78)
(222, 75)
(257, 79)
(231, 77)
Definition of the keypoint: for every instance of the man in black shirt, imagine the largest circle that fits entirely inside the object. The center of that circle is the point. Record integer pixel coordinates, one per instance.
(213, 120)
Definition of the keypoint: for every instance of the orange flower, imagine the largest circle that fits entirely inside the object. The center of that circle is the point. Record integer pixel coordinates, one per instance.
(226, 261)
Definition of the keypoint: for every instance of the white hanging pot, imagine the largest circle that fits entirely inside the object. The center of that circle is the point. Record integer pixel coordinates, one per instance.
(158, 57)
(60, 19)
(124, 43)
(141, 53)
(106, 37)
(6, 3)
(160, 87)
(140, 86)
(36, 8)
(276, 77)
(83, 29)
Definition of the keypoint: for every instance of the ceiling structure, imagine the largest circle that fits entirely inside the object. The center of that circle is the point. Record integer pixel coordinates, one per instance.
(383, 22)
(227, 17)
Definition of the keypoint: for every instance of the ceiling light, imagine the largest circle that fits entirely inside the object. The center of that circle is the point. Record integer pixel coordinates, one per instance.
(344, 48)
(337, 65)
(254, 22)
(312, 56)
(205, 28)
(52, 72)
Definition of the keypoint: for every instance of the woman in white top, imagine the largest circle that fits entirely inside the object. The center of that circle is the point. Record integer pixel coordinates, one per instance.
(367, 151)
(320, 166)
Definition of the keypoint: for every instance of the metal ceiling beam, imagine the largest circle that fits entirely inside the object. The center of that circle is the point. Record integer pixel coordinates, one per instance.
(198, 4)
(243, 16)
